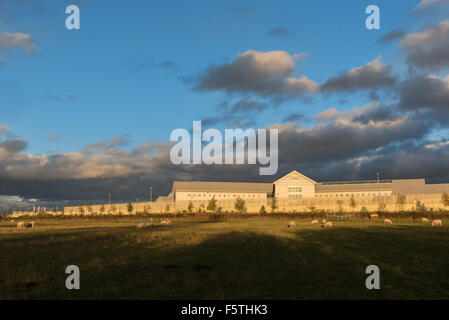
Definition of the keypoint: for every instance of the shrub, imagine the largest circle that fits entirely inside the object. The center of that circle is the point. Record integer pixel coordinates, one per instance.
(445, 199)
(262, 210)
(240, 205)
(274, 204)
(212, 205)
(130, 207)
(190, 207)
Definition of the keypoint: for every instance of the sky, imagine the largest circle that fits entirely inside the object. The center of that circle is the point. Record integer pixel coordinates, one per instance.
(90, 111)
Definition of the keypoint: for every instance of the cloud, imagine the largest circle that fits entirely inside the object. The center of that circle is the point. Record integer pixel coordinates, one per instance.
(17, 40)
(425, 92)
(294, 117)
(372, 75)
(62, 98)
(240, 113)
(426, 4)
(429, 48)
(278, 31)
(366, 137)
(268, 74)
(392, 36)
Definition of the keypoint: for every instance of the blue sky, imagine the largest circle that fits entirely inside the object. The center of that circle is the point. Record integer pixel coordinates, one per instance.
(93, 65)
(131, 75)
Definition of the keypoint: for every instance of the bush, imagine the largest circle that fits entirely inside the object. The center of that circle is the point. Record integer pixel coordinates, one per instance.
(240, 205)
(262, 210)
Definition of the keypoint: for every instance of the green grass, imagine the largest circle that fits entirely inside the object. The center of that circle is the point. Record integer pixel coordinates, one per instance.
(237, 259)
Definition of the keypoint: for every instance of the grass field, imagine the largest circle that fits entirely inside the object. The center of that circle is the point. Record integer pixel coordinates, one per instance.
(224, 259)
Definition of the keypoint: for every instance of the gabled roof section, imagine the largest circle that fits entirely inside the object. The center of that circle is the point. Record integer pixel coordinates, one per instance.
(294, 173)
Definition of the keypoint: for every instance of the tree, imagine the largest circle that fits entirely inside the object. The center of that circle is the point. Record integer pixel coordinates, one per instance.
(400, 201)
(102, 209)
(190, 207)
(130, 207)
(274, 204)
(352, 202)
(81, 209)
(445, 199)
(113, 208)
(212, 205)
(168, 207)
(89, 207)
(240, 205)
(262, 210)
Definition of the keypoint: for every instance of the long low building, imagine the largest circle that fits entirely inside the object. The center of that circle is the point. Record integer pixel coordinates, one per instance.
(295, 185)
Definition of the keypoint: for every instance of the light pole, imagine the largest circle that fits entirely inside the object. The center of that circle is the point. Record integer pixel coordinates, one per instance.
(109, 202)
(151, 194)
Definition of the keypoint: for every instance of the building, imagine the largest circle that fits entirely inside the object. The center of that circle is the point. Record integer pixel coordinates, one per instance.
(295, 191)
(297, 186)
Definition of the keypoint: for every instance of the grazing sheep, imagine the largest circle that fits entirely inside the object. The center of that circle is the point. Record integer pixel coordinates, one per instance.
(166, 221)
(425, 220)
(144, 225)
(20, 225)
(314, 222)
(292, 225)
(437, 222)
(328, 224)
(388, 221)
(323, 221)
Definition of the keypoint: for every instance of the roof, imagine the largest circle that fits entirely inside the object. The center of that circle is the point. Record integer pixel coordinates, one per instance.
(252, 187)
(294, 172)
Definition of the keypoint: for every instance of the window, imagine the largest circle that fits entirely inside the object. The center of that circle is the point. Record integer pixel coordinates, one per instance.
(294, 192)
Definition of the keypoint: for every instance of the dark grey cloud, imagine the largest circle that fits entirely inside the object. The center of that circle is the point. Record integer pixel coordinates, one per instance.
(373, 75)
(267, 74)
(294, 117)
(425, 92)
(393, 35)
(278, 31)
(428, 48)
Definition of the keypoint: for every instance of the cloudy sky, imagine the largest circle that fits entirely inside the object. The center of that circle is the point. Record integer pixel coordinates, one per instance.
(90, 111)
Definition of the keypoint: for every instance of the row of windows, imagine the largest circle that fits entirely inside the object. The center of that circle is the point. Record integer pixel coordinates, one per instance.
(351, 194)
(223, 195)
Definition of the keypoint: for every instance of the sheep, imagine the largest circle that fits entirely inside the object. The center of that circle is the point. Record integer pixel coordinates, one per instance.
(20, 225)
(314, 222)
(328, 224)
(292, 225)
(166, 221)
(425, 220)
(388, 221)
(323, 221)
(144, 225)
(437, 222)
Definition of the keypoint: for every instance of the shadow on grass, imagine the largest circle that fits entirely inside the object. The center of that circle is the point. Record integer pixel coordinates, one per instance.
(304, 264)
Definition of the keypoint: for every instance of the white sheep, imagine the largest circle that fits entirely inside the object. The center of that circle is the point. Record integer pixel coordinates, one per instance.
(20, 225)
(292, 225)
(437, 222)
(166, 221)
(323, 221)
(314, 222)
(388, 221)
(140, 225)
(329, 224)
(425, 220)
